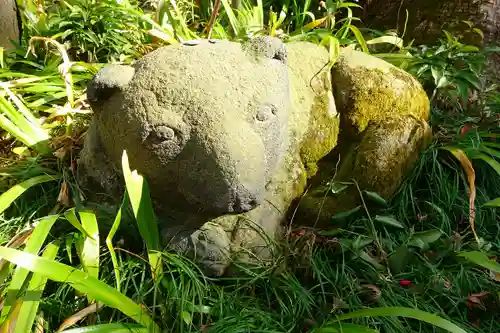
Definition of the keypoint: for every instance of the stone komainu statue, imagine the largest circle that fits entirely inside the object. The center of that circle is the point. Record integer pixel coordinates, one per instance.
(228, 135)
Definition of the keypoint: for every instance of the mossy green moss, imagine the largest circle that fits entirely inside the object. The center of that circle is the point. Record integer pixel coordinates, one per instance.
(322, 135)
(368, 89)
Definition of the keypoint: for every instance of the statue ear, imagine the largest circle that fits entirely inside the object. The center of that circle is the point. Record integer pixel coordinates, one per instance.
(107, 81)
(266, 46)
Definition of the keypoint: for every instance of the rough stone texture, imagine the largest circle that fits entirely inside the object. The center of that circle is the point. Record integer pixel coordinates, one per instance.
(205, 124)
(228, 136)
(427, 18)
(9, 25)
(384, 128)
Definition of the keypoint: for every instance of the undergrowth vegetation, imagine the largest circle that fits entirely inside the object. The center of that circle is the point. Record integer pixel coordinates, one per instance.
(425, 261)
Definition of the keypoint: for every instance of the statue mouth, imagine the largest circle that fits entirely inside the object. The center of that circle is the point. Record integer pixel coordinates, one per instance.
(243, 206)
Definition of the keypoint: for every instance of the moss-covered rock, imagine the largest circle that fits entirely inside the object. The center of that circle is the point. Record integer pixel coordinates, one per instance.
(229, 135)
(384, 113)
(369, 89)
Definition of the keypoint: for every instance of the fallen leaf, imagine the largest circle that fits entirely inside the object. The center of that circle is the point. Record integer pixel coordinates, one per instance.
(73, 319)
(471, 177)
(39, 324)
(375, 292)
(495, 276)
(447, 284)
(63, 197)
(19, 239)
(476, 300)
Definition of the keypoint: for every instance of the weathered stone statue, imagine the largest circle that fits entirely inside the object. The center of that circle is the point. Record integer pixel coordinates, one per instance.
(9, 24)
(228, 135)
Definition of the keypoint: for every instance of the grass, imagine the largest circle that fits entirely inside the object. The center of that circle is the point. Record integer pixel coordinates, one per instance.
(410, 264)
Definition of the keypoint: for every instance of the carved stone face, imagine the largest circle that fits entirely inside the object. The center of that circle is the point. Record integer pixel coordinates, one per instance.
(206, 124)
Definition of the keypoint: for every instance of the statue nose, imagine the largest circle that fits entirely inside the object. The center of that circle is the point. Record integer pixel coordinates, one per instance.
(245, 201)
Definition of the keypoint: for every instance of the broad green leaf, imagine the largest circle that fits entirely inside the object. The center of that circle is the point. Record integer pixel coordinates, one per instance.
(36, 286)
(369, 259)
(399, 259)
(88, 247)
(109, 328)
(8, 197)
(69, 244)
(493, 203)
(359, 38)
(481, 259)
(405, 312)
(422, 239)
(82, 282)
(186, 316)
(389, 220)
(394, 40)
(492, 152)
(33, 246)
(347, 215)
(492, 162)
(138, 192)
(71, 217)
(375, 198)
(109, 239)
(361, 242)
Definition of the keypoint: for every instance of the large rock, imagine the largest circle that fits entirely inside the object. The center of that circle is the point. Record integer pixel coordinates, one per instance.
(228, 134)
(384, 128)
(9, 24)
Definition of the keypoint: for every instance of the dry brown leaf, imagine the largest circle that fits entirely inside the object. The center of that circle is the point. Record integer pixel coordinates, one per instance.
(40, 321)
(19, 239)
(471, 177)
(9, 325)
(63, 195)
(476, 300)
(72, 320)
(495, 276)
(375, 292)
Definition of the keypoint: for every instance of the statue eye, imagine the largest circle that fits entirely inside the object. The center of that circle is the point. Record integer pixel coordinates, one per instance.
(162, 134)
(266, 111)
(165, 133)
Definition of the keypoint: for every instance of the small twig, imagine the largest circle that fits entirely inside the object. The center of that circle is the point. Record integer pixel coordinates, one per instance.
(211, 22)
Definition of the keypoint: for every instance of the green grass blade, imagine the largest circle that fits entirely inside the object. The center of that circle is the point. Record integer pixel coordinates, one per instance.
(33, 245)
(138, 192)
(71, 217)
(359, 38)
(231, 16)
(493, 203)
(88, 247)
(491, 161)
(109, 240)
(8, 197)
(36, 286)
(15, 131)
(345, 328)
(23, 110)
(109, 328)
(405, 312)
(82, 282)
(394, 40)
(481, 259)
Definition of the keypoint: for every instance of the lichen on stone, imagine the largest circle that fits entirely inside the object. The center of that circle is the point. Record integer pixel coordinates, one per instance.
(370, 89)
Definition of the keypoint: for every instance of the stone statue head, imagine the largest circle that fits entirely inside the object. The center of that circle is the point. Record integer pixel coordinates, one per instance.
(205, 123)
